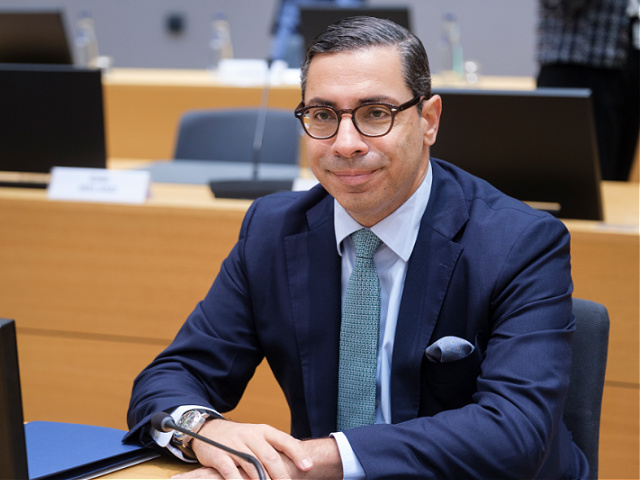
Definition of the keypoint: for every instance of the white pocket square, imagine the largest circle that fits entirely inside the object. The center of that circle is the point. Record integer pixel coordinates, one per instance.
(449, 349)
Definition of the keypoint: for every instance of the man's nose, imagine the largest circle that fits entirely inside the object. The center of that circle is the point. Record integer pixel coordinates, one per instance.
(348, 141)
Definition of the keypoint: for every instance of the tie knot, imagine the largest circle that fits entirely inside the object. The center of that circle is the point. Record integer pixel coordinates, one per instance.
(365, 242)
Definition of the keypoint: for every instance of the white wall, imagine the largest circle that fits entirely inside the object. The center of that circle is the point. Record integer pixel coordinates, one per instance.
(498, 34)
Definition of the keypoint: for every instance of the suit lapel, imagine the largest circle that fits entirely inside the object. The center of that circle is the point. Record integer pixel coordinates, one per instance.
(313, 267)
(428, 274)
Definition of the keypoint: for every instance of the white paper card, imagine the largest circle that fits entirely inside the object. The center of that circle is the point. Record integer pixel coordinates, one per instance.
(243, 71)
(99, 185)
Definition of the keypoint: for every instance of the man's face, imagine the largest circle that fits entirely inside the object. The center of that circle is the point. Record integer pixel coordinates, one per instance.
(369, 177)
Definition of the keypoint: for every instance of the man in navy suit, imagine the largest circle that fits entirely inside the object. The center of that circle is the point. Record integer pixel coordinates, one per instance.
(460, 264)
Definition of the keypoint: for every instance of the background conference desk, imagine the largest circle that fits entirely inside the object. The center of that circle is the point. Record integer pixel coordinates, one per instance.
(98, 290)
(143, 106)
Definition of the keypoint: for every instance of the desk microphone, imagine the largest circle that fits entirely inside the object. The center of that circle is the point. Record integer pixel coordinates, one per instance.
(254, 188)
(261, 122)
(163, 422)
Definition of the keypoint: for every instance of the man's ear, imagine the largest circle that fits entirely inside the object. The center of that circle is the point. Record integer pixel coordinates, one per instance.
(431, 110)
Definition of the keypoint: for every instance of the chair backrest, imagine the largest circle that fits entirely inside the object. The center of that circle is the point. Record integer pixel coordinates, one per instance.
(589, 361)
(229, 135)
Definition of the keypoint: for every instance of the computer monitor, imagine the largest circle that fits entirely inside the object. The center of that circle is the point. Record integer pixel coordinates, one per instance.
(13, 451)
(34, 36)
(314, 18)
(538, 146)
(50, 115)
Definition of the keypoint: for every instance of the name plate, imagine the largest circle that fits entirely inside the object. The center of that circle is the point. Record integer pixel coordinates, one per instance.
(99, 185)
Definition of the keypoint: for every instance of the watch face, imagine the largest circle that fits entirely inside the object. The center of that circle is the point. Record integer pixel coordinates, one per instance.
(190, 419)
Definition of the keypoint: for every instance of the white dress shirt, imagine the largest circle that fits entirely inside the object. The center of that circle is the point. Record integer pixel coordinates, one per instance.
(398, 233)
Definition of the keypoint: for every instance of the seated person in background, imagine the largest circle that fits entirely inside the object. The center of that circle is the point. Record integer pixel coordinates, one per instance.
(452, 361)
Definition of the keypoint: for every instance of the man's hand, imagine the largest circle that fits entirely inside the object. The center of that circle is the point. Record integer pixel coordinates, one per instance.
(327, 464)
(269, 445)
(281, 455)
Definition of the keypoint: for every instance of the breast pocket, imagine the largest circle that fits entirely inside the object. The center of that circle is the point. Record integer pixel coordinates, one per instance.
(449, 385)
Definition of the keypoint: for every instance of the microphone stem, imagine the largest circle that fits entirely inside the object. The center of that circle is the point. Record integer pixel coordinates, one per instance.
(261, 121)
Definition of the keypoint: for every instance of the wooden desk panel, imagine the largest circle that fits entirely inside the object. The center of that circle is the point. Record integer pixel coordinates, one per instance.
(77, 378)
(605, 270)
(82, 267)
(619, 454)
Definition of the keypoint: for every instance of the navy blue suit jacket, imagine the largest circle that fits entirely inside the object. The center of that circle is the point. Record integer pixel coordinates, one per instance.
(485, 267)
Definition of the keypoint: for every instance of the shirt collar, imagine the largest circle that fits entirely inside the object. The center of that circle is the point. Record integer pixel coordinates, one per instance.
(405, 219)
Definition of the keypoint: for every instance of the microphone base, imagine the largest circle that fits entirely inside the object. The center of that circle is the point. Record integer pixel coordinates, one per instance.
(23, 184)
(248, 189)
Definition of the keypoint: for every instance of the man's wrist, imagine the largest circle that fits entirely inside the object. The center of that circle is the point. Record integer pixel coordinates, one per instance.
(325, 456)
(195, 445)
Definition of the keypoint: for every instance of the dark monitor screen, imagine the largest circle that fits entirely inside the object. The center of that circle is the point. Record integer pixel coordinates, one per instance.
(314, 19)
(538, 146)
(50, 115)
(34, 36)
(13, 452)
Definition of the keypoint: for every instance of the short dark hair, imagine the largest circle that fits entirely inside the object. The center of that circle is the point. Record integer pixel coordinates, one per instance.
(354, 33)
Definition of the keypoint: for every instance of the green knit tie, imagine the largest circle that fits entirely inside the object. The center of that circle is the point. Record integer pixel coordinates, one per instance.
(359, 337)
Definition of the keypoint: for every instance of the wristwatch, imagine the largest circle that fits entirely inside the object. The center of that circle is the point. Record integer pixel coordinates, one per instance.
(191, 420)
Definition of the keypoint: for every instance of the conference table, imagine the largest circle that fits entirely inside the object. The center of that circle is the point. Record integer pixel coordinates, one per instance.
(143, 106)
(97, 290)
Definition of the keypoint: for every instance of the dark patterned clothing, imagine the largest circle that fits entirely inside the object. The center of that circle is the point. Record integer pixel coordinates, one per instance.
(588, 44)
(583, 32)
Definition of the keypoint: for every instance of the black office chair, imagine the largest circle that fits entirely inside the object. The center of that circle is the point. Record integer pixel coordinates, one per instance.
(229, 135)
(589, 361)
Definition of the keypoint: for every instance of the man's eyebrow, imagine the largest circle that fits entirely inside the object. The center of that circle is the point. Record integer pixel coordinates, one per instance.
(319, 101)
(324, 102)
(378, 99)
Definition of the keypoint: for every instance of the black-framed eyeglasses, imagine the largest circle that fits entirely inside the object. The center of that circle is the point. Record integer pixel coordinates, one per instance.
(370, 119)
